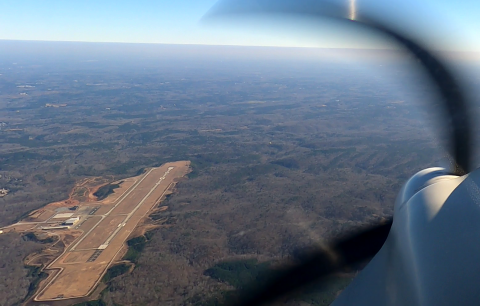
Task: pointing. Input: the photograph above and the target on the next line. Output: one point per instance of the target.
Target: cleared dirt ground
(105, 232)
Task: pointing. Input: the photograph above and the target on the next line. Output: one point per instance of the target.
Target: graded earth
(97, 230)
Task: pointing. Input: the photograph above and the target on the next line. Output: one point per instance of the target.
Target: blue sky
(177, 22)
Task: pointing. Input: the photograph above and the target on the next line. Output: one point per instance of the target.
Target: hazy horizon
(15, 49)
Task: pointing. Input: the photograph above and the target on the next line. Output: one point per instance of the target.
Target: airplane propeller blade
(317, 266)
(367, 242)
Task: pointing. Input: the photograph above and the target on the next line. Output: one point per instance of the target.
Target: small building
(62, 215)
(71, 221)
(3, 192)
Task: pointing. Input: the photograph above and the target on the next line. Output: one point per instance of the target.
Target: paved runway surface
(82, 265)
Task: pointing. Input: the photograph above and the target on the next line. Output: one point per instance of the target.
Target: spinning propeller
(364, 243)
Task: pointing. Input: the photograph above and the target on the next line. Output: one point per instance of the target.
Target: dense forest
(17, 281)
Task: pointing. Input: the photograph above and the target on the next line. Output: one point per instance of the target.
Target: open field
(105, 226)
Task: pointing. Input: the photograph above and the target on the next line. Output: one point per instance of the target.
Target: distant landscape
(286, 152)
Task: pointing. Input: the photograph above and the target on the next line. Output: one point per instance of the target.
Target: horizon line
(475, 55)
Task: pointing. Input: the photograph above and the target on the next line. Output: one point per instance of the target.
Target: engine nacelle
(432, 254)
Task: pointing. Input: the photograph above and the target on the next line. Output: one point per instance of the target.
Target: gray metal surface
(432, 254)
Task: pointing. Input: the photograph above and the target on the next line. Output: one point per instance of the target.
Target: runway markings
(93, 211)
(95, 255)
(119, 227)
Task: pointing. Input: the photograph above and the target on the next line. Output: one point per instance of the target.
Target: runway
(83, 264)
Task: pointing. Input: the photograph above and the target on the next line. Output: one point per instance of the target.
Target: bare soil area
(85, 249)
